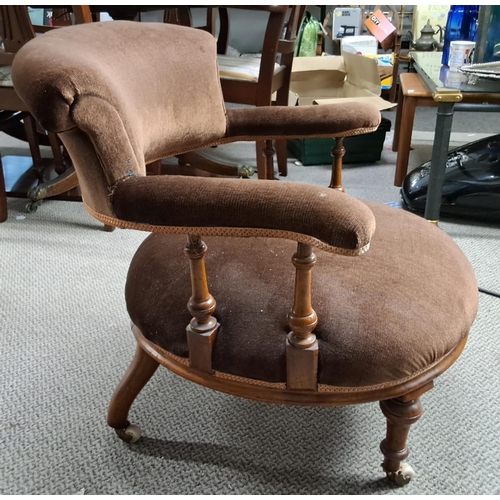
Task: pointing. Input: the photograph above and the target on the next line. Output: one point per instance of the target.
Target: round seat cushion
(383, 316)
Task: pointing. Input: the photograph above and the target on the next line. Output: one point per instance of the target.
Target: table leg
(399, 112)
(405, 130)
(442, 134)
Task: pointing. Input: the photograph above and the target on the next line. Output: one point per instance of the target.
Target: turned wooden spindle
(268, 152)
(338, 152)
(202, 329)
(301, 345)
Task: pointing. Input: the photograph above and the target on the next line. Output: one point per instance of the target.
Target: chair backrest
(122, 94)
(16, 30)
(271, 46)
(286, 45)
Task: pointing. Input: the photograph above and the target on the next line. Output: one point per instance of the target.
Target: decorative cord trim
(237, 232)
(250, 381)
(332, 388)
(323, 388)
(164, 352)
(384, 385)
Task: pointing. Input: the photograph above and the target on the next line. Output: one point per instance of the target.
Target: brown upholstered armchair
(369, 326)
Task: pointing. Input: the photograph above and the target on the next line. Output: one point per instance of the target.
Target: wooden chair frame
(399, 403)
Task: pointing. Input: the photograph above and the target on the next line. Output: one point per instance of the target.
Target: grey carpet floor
(66, 342)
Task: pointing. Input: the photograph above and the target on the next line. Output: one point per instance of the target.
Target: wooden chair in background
(251, 80)
(17, 30)
(254, 81)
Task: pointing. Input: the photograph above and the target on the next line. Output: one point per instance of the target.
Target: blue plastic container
(460, 25)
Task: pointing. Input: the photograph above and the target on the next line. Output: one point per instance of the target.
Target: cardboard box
(346, 21)
(334, 79)
(385, 64)
(362, 45)
(330, 79)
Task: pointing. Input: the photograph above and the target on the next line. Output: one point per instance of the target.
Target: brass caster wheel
(32, 206)
(130, 434)
(246, 172)
(402, 476)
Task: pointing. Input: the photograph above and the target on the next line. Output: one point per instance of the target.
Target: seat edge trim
(277, 393)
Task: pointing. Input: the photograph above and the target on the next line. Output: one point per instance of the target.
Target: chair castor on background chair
(296, 294)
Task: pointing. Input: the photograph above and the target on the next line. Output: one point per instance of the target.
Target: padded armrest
(322, 217)
(329, 120)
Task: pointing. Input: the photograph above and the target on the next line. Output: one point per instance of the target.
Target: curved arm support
(313, 215)
(329, 120)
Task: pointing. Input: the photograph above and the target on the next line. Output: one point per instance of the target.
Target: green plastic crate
(365, 148)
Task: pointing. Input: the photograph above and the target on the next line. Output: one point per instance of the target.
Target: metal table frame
(450, 100)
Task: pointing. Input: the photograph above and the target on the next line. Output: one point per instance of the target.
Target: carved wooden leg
(66, 181)
(261, 160)
(137, 376)
(203, 328)
(269, 153)
(193, 160)
(400, 416)
(404, 140)
(397, 126)
(338, 152)
(301, 345)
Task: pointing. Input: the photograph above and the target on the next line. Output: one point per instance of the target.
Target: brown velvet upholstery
(126, 107)
(113, 120)
(331, 120)
(327, 215)
(81, 78)
(382, 317)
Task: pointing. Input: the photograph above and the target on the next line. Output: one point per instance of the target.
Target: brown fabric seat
(382, 317)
